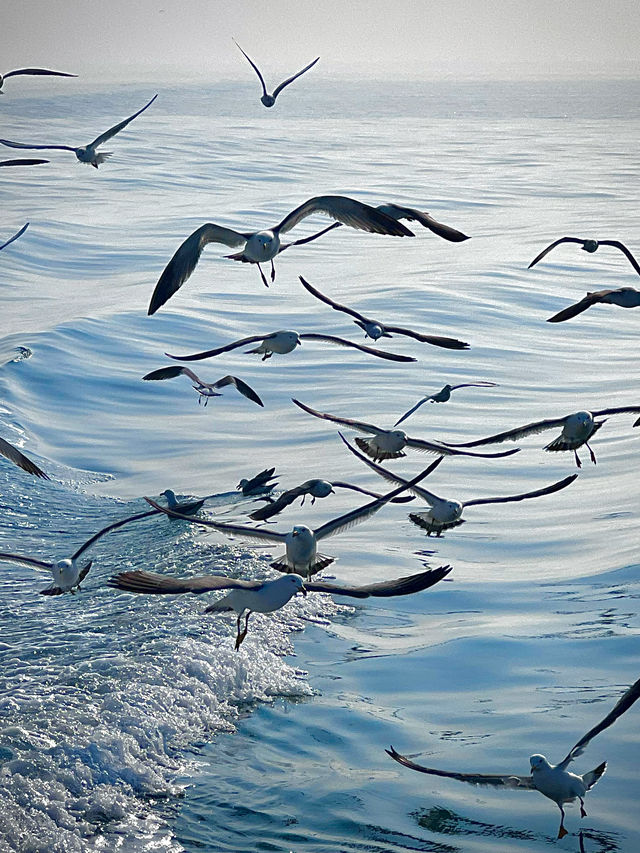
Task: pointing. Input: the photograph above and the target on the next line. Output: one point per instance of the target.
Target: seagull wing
(37, 71)
(496, 780)
(312, 237)
(350, 212)
(171, 372)
(622, 705)
(18, 458)
(448, 450)
(281, 502)
(429, 497)
(332, 339)
(434, 340)
(397, 211)
(335, 305)
(10, 144)
(474, 385)
(618, 245)
(547, 490)
(343, 522)
(401, 499)
(573, 310)
(515, 434)
(267, 536)
(26, 561)
(185, 259)
(286, 82)
(552, 246)
(219, 350)
(15, 236)
(150, 582)
(386, 589)
(412, 410)
(25, 161)
(618, 410)
(110, 527)
(358, 425)
(246, 390)
(254, 66)
(104, 137)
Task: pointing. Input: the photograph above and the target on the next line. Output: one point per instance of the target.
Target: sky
(192, 39)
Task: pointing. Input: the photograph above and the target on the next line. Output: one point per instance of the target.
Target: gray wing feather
(286, 82)
(104, 137)
(386, 589)
(358, 425)
(219, 350)
(18, 458)
(24, 161)
(10, 144)
(547, 490)
(37, 71)
(552, 246)
(170, 372)
(624, 250)
(514, 434)
(434, 340)
(15, 236)
(425, 219)
(26, 561)
(332, 339)
(254, 66)
(350, 212)
(493, 779)
(335, 305)
(150, 582)
(114, 526)
(246, 390)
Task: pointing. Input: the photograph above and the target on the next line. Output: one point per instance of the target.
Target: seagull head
(539, 762)
(170, 495)
(297, 582)
(448, 511)
(398, 434)
(64, 572)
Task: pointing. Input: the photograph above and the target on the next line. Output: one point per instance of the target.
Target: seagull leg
(593, 455)
(264, 280)
(273, 271)
(578, 462)
(562, 831)
(242, 634)
(582, 811)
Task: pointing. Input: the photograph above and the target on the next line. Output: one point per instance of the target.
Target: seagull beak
(303, 590)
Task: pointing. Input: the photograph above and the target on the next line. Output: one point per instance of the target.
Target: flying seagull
(590, 246)
(259, 484)
(34, 72)
(376, 329)
(553, 781)
(67, 573)
(317, 489)
(577, 429)
(444, 395)
(267, 99)
(23, 161)
(625, 297)
(444, 513)
(15, 236)
(390, 444)
(286, 340)
(205, 389)
(301, 554)
(266, 596)
(87, 153)
(18, 458)
(261, 246)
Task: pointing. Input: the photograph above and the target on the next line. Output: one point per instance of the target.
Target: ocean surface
(129, 723)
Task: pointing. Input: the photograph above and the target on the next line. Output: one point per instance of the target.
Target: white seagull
(625, 297)
(67, 573)
(87, 153)
(18, 458)
(590, 246)
(577, 429)
(261, 246)
(285, 341)
(444, 395)
(267, 99)
(376, 329)
(390, 444)
(33, 72)
(15, 236)
(445, 513)
(205, 389)
(301, 554)
(553, 781)
(23, 161)
(266, 596)
(316, 488)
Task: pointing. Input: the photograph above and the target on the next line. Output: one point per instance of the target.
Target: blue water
(130, 723)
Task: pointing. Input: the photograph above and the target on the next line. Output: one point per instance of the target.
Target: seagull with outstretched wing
(205, 389)
(87, 153)
(443, 396)
(624, 297)
(589, 246)
(553, 781)
(267, 99)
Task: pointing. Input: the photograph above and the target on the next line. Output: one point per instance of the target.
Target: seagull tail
(593, 776)
(100, 158)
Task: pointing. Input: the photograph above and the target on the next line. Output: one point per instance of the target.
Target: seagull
(261, 246)
(87, 153)
(444, 513)
(553, 781)
(285, 341)
(266, 596)
(317, 489)
(590, 246)
(376, 329)
(444, 395)
(67, 573)
(186, 506)
(267, 99)
(301, 554)
(259, 484)
(625, 297)
(24, 161)
(33, 72)
(15, 236)
(18, 458)
(577, 429)
(389, 444)
(205, 389)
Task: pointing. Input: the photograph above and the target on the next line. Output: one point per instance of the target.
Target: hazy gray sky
(192, 38)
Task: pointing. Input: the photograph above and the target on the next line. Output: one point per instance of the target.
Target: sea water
(130, 723)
